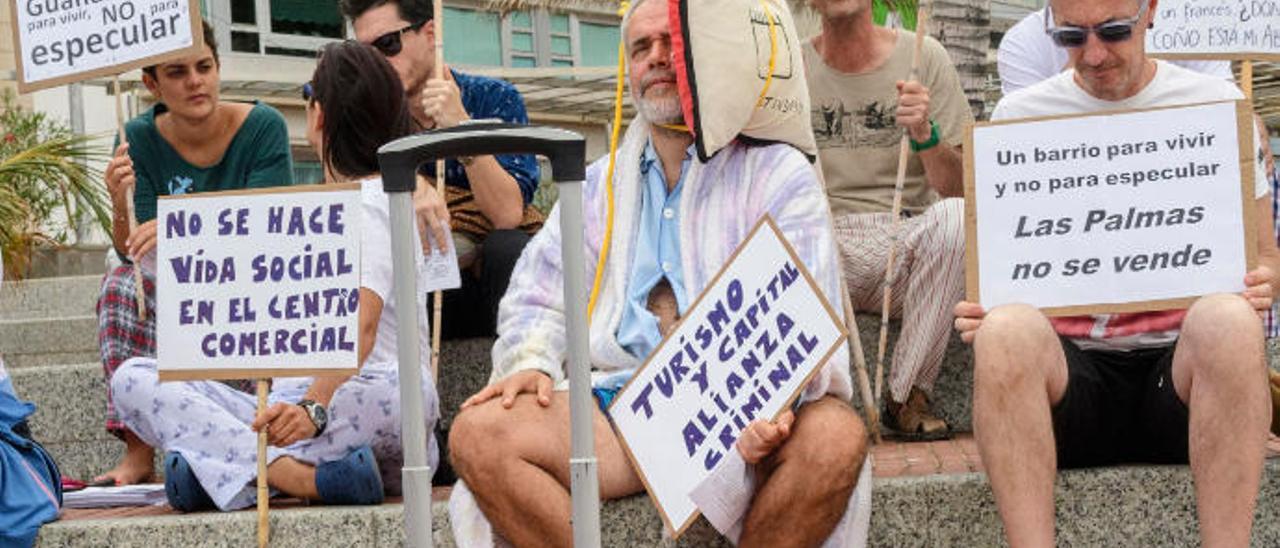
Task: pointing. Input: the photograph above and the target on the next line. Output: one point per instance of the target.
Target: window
(472, 37)
(278, 27)
(540, 38)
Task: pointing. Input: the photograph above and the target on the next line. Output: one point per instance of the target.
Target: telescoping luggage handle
(399, 161)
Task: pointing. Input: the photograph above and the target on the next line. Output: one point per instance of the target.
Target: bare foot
(293, 477)
(137, 466)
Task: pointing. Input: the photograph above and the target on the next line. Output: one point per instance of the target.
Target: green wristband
(933, 141)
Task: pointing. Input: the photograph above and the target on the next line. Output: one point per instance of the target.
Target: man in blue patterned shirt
(499, 188)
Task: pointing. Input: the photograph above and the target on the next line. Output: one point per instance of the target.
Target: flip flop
(181, 486)
(352, 480)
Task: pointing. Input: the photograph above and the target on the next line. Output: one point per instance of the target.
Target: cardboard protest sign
(64, 41)
(260, 283)
(744, 350)
(1214, 29)
(1122, 212)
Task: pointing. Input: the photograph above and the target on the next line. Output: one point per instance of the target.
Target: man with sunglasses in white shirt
(487, 201)
(1158, 387)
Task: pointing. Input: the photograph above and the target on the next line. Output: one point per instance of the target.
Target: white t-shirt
(1027, 55)
(376, 274)
(1172, 85)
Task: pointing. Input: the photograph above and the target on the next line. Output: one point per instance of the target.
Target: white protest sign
(64, 41)
(1216, 29)
(1119, 212)
(744, 350)
(261, 283)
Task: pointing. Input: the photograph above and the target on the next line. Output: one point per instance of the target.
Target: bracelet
(933, 141)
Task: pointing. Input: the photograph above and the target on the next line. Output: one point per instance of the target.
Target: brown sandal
(913, 419)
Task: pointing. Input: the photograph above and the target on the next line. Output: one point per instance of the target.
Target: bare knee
(830, 441)
(1223, 320)
(1007, 345)
(484, 437)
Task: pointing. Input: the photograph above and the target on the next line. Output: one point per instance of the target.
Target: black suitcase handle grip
(400, 159)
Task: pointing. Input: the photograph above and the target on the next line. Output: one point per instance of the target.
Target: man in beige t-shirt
(861, 104)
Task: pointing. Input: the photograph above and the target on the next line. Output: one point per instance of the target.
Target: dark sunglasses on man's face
(389, 43)
(1068, 36)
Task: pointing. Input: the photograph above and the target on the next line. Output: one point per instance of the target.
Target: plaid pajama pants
(928, 282)
(122, 335)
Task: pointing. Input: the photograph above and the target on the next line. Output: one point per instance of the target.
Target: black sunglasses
(389, 43)
(1068, 36)
(308, 92)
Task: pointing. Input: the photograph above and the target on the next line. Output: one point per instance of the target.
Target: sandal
(913, 420)
(181, 486)
(352, 480)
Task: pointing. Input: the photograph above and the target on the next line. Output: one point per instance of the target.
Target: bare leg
(1220, 372)
(516, 462)
(293, 477)
(809, 479)
(1019, 373)
(137, 465)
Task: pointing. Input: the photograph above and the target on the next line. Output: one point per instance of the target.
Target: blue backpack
(30, 485)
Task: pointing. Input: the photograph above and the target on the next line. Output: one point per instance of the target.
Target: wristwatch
(934, 138)
(319, 416)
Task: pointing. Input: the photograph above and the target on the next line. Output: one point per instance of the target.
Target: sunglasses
(1068, 36)
(308, 92)
(389, 44)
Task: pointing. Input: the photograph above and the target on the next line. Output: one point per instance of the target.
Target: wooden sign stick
(904, 153)
(1246, 78)
(264, 495)
(437, 18)
(860, 366)
(138, 291)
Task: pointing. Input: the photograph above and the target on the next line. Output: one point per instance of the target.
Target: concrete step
(49, 297)
(42, 341)
(1125, 506)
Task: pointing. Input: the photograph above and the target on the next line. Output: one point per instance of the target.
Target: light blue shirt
(657, 255)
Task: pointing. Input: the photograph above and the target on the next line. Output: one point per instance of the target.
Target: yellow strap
(608, 179)
(773, 51)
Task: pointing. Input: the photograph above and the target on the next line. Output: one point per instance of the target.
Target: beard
(658, 108)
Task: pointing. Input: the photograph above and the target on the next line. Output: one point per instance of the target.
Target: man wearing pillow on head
(1173, 386)
(863, 100)
(510, 443)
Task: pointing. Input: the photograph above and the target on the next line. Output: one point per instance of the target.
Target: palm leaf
(44, 168)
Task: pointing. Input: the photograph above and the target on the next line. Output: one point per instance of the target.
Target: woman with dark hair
(189, 142)
(355, 104)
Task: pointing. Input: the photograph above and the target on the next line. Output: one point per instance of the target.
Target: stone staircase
(48, 337)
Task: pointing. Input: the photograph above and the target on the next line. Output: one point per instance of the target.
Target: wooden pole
(139, 292)
(904, 153)
(437, 16)
(1246, 78)
(860, 365)
(264, 496)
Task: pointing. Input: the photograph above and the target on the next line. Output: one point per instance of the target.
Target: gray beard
(660, 111)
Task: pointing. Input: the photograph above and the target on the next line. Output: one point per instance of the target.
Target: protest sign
(743, 351)
(1214, 29)
(64, 41)
(260, 283)
(1119, 212)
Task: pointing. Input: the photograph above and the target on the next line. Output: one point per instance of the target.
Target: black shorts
(1120, 407)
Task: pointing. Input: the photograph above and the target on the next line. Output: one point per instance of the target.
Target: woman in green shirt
(189, 142)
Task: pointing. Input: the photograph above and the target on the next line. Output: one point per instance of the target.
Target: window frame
(220, 12)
